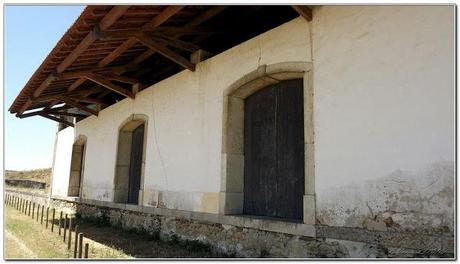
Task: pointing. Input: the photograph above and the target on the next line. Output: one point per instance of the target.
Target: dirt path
(15, 248)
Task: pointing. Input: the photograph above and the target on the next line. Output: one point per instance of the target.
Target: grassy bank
(104, 241)
(27, 238)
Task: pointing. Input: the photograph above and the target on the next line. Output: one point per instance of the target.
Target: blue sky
(31, 32)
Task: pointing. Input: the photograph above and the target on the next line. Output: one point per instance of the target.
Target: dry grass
(105, 242)
(39, 175)
(43, 243)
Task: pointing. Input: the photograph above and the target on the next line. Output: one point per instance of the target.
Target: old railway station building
(283, 131)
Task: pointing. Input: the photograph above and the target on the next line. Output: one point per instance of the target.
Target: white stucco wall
(61, 163)
(384, 114)
(183, 148)
(383, 80)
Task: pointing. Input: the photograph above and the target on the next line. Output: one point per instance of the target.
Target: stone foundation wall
(235, 240)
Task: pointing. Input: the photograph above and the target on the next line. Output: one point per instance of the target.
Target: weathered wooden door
(274, 151)
(136, 165)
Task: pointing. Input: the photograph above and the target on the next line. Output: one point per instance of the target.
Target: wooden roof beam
(108, 20)
(85, 99)
(133, 65)
(304, 11)
(67, 114)
(79, 106)
(131, 41)
(60, 120)
(147, 41)
(101, 80)
(155, 22)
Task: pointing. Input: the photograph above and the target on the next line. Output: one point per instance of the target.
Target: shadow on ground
(140, 245)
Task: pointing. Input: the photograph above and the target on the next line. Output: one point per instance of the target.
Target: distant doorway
(130, 160)
(76, 166)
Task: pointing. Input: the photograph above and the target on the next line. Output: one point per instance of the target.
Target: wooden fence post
(41, 219)
(47, 213)
(86, 250)
(80, 245)
(76, 242)
(33, 210)
(52, 220)
(38, 210)
(60, 222)
(30, 205)
(65, 227)
(69, 241)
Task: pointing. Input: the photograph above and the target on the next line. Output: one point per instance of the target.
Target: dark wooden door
(136, 164)
(274, 151)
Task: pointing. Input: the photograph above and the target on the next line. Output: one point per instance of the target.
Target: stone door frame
(232, 165)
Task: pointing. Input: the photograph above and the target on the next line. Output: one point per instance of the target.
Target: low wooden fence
(66, 225)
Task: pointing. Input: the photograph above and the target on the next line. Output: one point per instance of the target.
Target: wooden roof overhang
(111, 52)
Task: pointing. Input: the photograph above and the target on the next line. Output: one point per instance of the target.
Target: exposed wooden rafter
(79, 106)
(106, 22)
(57, 119)
(155, 22)
(133, 65)
(163, 50)
(101, 80)
(304, 11)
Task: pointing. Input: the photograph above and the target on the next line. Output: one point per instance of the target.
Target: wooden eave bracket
(304, 11)
(57, 119)
(163, 50)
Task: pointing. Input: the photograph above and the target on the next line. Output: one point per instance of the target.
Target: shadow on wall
(401, 201)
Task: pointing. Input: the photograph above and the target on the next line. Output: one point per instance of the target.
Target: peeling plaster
(403, 200)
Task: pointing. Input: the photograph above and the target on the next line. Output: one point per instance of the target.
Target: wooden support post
(25, 206)
(52, 220)
(30, 205)
(60, 223)
(38, 210)
(86, 250)
(41, 219)
(76, 242)
(80, 245)
(47, 214)
(65, 227)
(33, 210)
(69, 241)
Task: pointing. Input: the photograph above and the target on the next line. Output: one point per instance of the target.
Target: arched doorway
(76, 166)
(237, 159)
(130, 160)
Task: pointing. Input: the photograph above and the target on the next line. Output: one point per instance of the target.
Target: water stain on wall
(401, 201)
